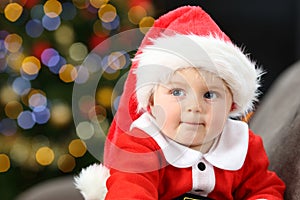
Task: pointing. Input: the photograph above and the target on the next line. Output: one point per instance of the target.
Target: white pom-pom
(92, 182)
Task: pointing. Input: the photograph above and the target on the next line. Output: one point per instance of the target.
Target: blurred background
(44, 43)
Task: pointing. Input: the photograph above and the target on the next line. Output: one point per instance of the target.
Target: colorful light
(26, 120)
(68, 73)
(78, 51)
(13, 11)
(146, 23)
(50, 57)
(66, 163)
(85, 130)
(13, 42)
(31, 65)
(13, 109)
(136, 13)
(7, 94)
(44, 156)
(98, 3)
(104, 96)
(4, 163)
(60, 114)
(64, 35)
(42, 116)
(21, 86)
(107, 13)
(37, 102)
(77, 148)
(52, 8)
(14, 61)
(34, 28)
(37, 12)
(51, 23)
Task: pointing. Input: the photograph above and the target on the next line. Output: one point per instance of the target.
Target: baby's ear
(233, 107)
(151, 101)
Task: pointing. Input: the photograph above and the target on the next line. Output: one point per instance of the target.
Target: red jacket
(142, 170)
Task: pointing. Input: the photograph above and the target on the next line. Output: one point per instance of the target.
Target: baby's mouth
(193, 123)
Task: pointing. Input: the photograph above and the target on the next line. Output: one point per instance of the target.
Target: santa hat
(184, 37)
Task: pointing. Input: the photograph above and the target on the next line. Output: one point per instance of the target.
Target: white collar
(228, 152)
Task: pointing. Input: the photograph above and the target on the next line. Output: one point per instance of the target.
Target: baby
(176, 134)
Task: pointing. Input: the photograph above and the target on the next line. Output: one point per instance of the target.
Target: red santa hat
(184, 37)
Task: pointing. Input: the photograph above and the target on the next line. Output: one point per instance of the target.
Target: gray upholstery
(55, 189)
(277, 120)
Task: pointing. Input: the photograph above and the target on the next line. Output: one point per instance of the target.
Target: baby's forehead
(185, 75)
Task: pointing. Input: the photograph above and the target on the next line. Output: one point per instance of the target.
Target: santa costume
(141, 163)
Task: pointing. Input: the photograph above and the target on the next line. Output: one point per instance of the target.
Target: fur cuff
(92, 182)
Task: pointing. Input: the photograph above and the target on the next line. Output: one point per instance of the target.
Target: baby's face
(192, 107)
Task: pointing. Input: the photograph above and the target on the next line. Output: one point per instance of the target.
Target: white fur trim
(170, 53)
(92, 182)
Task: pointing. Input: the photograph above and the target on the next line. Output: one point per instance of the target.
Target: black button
(201, 166)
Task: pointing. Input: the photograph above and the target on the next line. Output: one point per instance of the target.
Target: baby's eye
(177, 92)
(210, 95)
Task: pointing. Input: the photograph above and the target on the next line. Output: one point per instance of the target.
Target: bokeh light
(66, 163)
(68, 73)
(26, 119)
(98, 3)
(20, 151)
(60, 114)
(31, 65)
(14, 61)
(37, 12)
(136, 13)
(107, 13)
(7, 94)
(50, 57)
(13, 42)
(13, 109)
(41, 116)
(21, 86)
(13, 11)
(146, 23)
(111, 25)
(37, 101)
(51, 23)
(52, 8)
(77, 148)
(44, 156)
(64, 35)
(78, 51)
(104, 96)
(34, 28)
(4, 163)
(85, 130)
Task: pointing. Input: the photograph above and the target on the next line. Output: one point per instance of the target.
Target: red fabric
(184, 20)
(252, 181)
